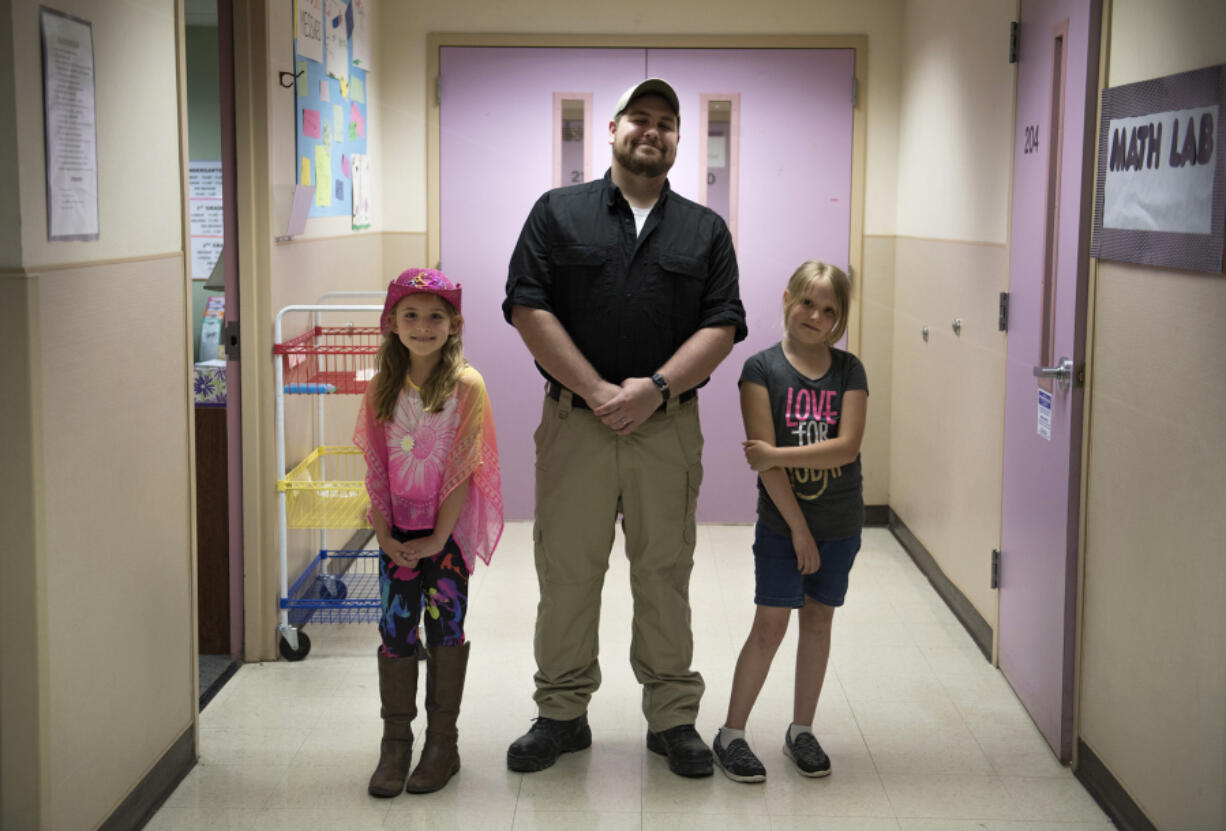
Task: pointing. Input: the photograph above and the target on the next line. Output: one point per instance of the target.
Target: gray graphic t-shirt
(806, 411)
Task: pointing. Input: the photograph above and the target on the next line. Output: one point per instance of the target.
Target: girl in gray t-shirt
(804, 404)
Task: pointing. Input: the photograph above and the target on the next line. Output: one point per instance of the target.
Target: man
(626, 295)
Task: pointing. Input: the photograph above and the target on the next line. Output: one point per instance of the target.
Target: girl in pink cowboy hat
(427, 432)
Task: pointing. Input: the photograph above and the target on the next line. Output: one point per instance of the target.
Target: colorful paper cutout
(310, 123)
(323, 175)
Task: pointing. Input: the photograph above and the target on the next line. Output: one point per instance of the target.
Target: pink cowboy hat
(417, 281)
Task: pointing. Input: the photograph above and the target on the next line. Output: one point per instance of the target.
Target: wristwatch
(661, 382)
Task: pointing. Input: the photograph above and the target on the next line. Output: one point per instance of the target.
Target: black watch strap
(662, 383)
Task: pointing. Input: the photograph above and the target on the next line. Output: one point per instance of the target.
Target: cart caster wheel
(340, 592)
(290, 654)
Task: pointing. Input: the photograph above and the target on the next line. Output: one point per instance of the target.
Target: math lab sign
(1161, 193)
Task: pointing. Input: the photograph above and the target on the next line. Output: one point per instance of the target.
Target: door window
(572, 124)
(718, 155)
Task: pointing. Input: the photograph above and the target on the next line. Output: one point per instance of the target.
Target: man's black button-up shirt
(628, 301)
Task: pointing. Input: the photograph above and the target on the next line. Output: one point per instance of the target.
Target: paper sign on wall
(309, 29)
(207, 214)
(1161, 193)
(69, 125)
(336, 39)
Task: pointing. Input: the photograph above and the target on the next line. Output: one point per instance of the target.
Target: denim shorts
(778, 581)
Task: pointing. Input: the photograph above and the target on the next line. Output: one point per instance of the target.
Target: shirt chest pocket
(580, 275)
(682, 280)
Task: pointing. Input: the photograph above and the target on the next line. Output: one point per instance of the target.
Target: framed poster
(69, 126)
(1161, 187)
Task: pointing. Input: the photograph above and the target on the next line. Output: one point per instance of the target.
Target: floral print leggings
(438, 584)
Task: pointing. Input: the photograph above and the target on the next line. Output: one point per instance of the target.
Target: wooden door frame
(435, 41)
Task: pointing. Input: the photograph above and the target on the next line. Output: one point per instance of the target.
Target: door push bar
(1062, 373)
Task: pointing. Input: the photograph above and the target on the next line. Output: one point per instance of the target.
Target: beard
(649, 168)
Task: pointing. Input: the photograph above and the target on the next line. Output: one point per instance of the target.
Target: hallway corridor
(923, 734)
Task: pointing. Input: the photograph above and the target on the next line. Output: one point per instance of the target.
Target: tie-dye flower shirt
(415, 460)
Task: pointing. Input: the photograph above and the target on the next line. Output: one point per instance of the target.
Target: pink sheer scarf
(415, 460)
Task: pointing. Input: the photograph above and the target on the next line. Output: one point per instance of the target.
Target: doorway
(790, 154)
(1048, 273)
(211, 198)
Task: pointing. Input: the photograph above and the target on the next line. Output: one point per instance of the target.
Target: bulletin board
(331, 62)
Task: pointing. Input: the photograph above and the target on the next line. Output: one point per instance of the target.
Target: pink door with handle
(1052, 186)
(497, 152)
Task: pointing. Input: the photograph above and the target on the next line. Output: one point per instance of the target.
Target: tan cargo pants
(585, 473)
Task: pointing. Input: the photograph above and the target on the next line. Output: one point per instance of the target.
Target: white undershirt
(640, 216)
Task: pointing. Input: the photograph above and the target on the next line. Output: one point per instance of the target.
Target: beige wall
(946, 436)
(118, 535)
(138, 141)
(10, 209)
(101, 415)
(1153, 671)
(877, 353)
(24, 717)
(946, 427)
(956, 123)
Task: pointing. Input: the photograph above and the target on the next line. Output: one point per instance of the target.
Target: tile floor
(923, 734)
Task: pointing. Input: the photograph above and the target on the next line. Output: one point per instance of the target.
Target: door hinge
(230, 334)
(995, 568)
(438, 90)
(1002, 319)
(1013, 41)
(855, 91)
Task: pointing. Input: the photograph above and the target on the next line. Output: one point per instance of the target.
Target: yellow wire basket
(327, 489)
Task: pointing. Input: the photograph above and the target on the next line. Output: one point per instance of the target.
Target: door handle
(1062, 373)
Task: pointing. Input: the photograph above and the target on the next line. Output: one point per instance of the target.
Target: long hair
(802, 282)
(394, 361)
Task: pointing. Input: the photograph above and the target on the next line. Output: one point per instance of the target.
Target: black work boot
(398, 696)
(687, 754)
(549, 738)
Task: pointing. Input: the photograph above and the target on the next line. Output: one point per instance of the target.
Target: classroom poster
(206, 212)
(361, 54)
(330, 108)
(336, 40)
(309, 29)
(69, 126)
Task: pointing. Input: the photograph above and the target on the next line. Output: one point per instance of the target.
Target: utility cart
(326, 491)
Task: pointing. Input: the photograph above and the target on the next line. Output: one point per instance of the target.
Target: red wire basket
(329, 359)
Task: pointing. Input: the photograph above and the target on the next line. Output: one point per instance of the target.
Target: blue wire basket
(338, 586)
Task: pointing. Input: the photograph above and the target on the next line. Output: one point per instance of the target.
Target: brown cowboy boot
(398, 694)
(440, 760)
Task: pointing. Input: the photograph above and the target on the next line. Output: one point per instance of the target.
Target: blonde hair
(394, 360)
(801, 283)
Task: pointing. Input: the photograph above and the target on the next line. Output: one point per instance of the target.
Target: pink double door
(789, 154)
